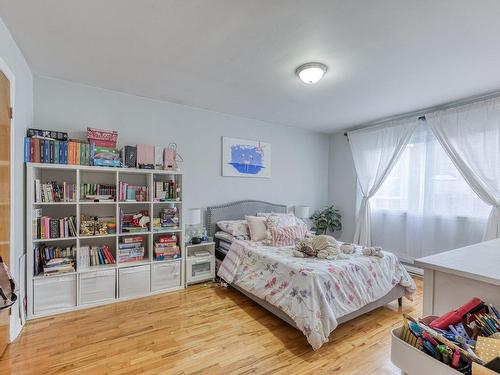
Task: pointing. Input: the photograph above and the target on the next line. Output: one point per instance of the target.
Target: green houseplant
(326, 220)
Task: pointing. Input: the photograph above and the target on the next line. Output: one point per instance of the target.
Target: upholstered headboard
(238, 210)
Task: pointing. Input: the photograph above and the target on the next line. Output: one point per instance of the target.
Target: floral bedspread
(313, 292)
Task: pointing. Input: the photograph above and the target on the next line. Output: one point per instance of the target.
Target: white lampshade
(302, 212)
(193, 216)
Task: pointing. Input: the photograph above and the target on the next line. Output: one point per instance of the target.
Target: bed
(310, 294)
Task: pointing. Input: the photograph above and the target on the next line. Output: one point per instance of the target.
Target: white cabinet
(54, 293)
(200, 262)
(96, 287)
(133, 281)
(165, 275)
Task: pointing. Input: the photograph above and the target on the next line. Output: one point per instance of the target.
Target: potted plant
(326, 220)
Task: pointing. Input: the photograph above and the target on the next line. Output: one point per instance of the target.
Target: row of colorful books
(90, 256)
(54, 192)
(54, 259)
(75, 152)
(97, 191)
(45, 227)
(167, 190)
(132, 193)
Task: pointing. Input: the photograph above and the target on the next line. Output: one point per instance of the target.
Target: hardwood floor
(204, 329)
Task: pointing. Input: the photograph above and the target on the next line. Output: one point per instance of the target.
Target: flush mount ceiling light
(311, 72)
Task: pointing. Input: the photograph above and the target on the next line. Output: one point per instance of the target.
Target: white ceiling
(385, 57)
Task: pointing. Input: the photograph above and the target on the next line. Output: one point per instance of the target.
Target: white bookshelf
(103, 284)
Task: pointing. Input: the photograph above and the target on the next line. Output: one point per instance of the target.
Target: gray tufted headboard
(238, 210)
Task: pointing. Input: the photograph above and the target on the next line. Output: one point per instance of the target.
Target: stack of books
(132, 193)
(90, 256)
(45, 227)
(54, 192)
(53, 259)
(105, 153)
(131, 249)
(98, 192)
(166, 248)
(167, 191)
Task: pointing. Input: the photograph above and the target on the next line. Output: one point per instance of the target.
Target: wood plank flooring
(204, 329)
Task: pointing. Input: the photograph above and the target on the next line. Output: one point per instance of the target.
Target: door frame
(15, 325)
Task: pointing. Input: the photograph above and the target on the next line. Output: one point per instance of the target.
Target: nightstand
(200, 262)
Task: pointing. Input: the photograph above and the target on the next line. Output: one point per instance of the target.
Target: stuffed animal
(322, 246)
(303, 248)
(372, 251)
(348, 248)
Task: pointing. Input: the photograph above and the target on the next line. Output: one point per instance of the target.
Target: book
(54, 134)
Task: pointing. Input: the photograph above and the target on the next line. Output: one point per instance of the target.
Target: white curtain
(470, 135)
(425, 206)
(375, 151)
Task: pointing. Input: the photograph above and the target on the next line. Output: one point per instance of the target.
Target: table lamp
(194, 231)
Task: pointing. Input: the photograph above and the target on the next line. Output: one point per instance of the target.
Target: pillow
(286, 236)
(258, 228)
(234, 227)
(282, 220)
(224, 236)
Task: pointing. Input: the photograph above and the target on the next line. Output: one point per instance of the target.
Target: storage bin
(200, 269)
(165, 275)
(412, 361)
(99, 286)
(133, 281)
(53, 293)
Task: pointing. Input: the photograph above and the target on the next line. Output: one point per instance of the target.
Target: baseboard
(15, 324)
(413, 270)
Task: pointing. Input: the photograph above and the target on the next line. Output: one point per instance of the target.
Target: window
(425, 206)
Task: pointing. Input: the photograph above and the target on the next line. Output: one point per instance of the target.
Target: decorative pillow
(258, 228)
(236, 228)
(224, 236)
(282, 220)
(286, 236)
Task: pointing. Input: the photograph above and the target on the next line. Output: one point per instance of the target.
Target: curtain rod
(422, 112)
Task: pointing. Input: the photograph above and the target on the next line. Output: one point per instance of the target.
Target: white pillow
(257, 227)
(236, 228)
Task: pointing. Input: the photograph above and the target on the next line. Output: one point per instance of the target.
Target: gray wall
(343, 185)
(21, 80)
(299, 157)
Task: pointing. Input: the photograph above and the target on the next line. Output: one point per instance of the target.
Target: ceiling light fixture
(311, 72)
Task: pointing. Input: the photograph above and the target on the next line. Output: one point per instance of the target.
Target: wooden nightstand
(200, 262)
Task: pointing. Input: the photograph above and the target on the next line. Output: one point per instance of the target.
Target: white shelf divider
(74, 173)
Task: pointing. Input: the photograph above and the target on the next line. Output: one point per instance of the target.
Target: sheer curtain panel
(375, 151)
(470, 135)
(425, 206)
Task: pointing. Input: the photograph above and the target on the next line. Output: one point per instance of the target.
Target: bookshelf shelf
(54, 203)
(133, 234)
(134, 202)
(121, 272)
(92, 203)
(54, 239)
(97, 236)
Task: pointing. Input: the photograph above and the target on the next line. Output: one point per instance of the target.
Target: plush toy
(372, 251)
(322, 246)
(327, 247)
(303, 248)
(348, 248)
